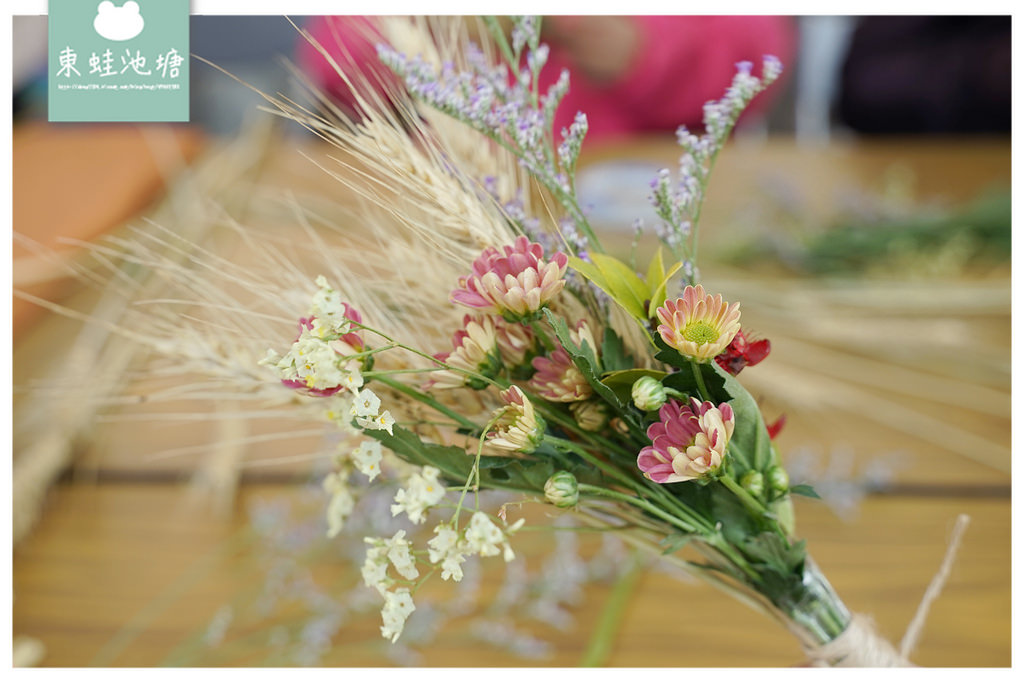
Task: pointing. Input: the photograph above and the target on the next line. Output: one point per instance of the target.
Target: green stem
(704, 393)
(542, 334)
(433, 403)
(752, 504)
(608, 624)
(605, 467)
(440, 364)
(474, 473)
(373, 374)
(748, 500)
(499, 37)
(641, 503)
(639, 486)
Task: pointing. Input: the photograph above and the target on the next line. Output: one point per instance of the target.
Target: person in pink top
(630, 75)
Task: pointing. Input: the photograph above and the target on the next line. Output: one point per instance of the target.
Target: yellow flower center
(699, 332)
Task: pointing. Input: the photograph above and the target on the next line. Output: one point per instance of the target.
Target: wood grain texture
(106, 556)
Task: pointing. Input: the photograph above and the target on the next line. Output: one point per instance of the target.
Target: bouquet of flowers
(604, 388)
(574, 378)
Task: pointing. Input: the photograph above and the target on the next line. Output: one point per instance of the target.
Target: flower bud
(562, 490)
(619, 425)
(753, 482)
(590, 415)
(778, 479)
(648, 393)
(783, 511)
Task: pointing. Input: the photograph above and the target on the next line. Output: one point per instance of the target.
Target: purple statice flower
(525, 32)
(678, 204)
(572, 142)
(502, 102)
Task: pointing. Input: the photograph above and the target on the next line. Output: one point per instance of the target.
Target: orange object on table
(78, 182)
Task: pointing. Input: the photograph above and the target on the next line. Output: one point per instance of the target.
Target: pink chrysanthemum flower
(519, 428)
(699, 325)
(475, 351)
(688, 443)
(515, 341)
(557, 377)
(514, 283)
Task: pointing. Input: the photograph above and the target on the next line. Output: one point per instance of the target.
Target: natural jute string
(861, 645)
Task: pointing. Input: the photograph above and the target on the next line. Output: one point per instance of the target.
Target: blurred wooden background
(125, 568)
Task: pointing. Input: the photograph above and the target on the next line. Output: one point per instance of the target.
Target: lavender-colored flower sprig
(509, 110)
(679, 203)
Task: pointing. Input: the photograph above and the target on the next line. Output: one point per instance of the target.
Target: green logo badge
(125, 60)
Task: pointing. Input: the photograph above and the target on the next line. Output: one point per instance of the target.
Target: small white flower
(375, 566)
(329, 311)
(310, 361)
(451, 568)
(401, 557)
(444, 541)
(384, 421)
(398, 605)
(422, 490)
(445, 548)
(367, 458)
(483, 535)
(340, 412)
(353, 380)
(341, 505)
(272, 358)
(367, 404)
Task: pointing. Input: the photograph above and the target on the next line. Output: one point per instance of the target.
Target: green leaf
(456, 464)
(660, 287)
(656, 270)
(613, 353)
(804, 490)
(674, 542)
(772, 551)
(630, 290)
(626, 378)
(726, 509)
(617, 280)
(592, 273)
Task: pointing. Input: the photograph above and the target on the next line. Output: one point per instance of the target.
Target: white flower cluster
(482, 537)
(367, 413)
(423, 490)
(323, 358)
(366, 458)
(448, 549)
(327, 360)
(315, 363)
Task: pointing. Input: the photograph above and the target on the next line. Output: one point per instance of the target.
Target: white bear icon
(118, 23)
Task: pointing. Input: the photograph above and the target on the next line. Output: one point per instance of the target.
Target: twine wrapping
(861, 645)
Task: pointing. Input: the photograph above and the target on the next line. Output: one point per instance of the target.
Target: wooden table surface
(126, 568)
